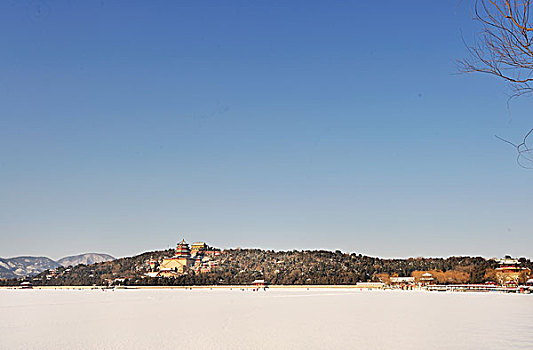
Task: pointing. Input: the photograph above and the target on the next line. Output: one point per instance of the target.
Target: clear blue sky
(271, 124)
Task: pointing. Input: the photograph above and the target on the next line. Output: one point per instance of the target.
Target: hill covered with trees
(242, 266)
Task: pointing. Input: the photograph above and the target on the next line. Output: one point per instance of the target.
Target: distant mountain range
(22, 266)
(87, 259)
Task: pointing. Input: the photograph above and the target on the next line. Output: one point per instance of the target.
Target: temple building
(260, 284)
(427, 279)
(179, 263)
(510, 271)
(197, 259)
(198, 248)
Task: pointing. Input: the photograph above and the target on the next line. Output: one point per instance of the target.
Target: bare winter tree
(504, 48)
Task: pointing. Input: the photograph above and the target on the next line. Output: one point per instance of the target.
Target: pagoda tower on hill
(182, 250)
(196, 258)
(177, 264)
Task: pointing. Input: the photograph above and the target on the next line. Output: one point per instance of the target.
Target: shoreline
(447, 289)
(322, 286)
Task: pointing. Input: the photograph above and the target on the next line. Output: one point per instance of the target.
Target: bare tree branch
(505, 45)
(504, 48)
(524, 156)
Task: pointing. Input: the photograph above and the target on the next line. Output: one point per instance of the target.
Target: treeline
(242, 266)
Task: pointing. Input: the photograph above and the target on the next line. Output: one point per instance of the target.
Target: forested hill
(242, 266)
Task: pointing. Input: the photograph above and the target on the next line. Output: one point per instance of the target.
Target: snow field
(293, 318)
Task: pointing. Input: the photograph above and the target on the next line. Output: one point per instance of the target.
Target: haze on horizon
(307, 125)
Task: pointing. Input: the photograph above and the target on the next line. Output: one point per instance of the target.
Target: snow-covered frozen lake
(272, 319)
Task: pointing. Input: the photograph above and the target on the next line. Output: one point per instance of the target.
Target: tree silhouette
(504, 49)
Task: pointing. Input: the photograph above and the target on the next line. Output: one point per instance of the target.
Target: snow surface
(273, 319)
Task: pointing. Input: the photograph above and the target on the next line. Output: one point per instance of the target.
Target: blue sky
(336, 125)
